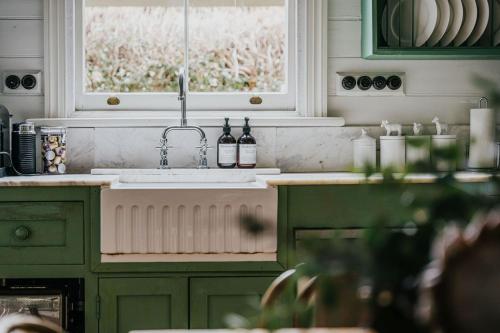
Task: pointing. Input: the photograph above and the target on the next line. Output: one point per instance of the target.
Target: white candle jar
(364, 152)
(392, 153)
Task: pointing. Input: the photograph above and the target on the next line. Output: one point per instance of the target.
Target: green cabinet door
(212, 299)
(142, 304)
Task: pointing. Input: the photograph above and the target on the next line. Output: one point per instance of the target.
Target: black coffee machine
(4, 139)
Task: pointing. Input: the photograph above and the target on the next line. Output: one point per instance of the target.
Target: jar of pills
(53, 152)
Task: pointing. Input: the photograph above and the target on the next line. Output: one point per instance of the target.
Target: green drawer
(41, 233)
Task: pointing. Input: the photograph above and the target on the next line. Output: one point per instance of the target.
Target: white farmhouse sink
(187, 215)
(186, 178)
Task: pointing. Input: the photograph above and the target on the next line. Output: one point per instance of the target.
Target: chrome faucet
(203, 161)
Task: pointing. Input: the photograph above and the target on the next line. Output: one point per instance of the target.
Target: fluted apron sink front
(176, 220)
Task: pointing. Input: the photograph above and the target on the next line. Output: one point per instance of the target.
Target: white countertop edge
(59, 180)
(262, 181)
(346, 178)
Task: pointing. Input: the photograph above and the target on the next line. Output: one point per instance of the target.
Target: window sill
(271, 119)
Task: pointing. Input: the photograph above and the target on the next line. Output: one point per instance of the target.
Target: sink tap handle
(203, 163)
(164, 147)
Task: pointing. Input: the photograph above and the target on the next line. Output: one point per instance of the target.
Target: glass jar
(54, 155)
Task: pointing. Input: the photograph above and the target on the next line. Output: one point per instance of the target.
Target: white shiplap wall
(21, 47)
(441, 88)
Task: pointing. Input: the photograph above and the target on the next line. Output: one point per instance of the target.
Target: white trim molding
(313, 58)
(58, 57)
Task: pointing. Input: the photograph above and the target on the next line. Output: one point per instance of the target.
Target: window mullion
(186, 43)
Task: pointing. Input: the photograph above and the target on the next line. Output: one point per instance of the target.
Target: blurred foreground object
(461, 287)
(18, 323)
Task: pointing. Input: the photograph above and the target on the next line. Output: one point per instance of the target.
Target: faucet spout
(182, 97)
(203, 164)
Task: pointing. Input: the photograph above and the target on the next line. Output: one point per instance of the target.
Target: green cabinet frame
(142, 303)
(211, 299)
(72, 205)
(371, 41)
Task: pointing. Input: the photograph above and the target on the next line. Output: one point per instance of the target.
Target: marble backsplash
(293, 149)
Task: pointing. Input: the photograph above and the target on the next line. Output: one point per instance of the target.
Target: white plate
(456, 19)
(470, 18)
(383, 25)
(425, 20)
(391, 17)
(483, 17)
(444, 12)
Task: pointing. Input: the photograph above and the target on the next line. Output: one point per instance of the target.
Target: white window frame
(310, 99)
(200, 101)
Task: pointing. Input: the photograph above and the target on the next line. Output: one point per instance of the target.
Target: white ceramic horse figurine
(392, 128)
(417, 128)
(440, 128)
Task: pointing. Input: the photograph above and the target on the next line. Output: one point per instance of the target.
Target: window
(129, 53)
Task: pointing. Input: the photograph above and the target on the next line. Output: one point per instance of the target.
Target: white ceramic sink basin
(186, 215)
(187, 178)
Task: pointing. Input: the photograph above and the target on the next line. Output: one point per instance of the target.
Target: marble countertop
(334, 178)
(59, 180)
(348, 178)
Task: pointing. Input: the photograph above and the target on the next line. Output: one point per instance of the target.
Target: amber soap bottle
(226, 148)
(247, 148)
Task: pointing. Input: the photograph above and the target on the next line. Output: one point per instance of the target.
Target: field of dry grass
(134, 49)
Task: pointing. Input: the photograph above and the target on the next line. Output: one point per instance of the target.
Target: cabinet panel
(143, 303)
(212, 299)
(41, 233)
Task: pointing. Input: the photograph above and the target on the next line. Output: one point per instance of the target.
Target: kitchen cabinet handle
(22, 233)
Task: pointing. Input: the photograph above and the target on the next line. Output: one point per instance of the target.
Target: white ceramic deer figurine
(417, 128)
(440, 128)
(392, 128)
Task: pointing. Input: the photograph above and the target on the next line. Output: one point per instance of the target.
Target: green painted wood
(212, 299)
(143, 303)
(43, 194)
(371, 39)
(41, 233)
(28, 204)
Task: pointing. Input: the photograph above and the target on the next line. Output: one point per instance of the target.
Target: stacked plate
(439, 23)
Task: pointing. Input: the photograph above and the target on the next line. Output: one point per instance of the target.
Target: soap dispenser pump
(226, 148)
(247, 148)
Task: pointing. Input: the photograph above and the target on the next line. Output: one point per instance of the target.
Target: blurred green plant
(385, 261)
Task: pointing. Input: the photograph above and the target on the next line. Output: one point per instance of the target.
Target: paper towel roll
(482, 139)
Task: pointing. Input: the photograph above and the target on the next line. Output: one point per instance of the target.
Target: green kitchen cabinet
(374, 45)
(212, 299)
(41, 233)
(142, 303)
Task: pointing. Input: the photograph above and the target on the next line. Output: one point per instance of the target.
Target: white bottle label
(248, 154)
(227, 153)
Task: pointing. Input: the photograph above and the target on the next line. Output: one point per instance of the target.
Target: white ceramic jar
(443, 142)
(418, 150)
(364, 151)
(392, 153)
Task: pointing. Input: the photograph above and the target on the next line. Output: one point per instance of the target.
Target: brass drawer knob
(22, 233)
